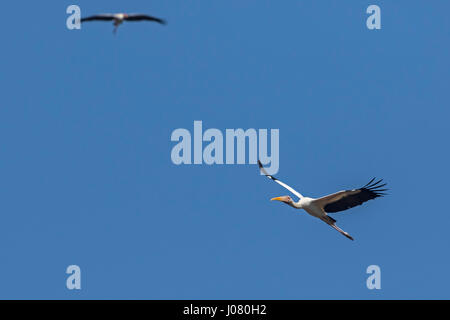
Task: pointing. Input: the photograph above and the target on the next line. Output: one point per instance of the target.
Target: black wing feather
(141, 17)
(265, 172)
(99, 17)
(370, 191)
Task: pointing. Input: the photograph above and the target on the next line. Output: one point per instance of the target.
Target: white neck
(297, 205)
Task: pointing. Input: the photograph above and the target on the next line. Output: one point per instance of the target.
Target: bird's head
(286, 199)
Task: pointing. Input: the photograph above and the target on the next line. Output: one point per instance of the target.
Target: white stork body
(309, 206)
(119, 18)
(335, 202)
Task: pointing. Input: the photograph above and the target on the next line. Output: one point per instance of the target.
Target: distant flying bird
(119, 18)
(335, 202)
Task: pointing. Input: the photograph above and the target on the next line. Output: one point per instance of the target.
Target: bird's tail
(332, 223)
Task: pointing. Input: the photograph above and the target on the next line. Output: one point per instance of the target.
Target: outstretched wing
(99, 17)
(347, 199)
(278, 181)
(144, 17)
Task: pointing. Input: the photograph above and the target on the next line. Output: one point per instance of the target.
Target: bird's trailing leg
(116, 25)
(342, 231)
(332, 223)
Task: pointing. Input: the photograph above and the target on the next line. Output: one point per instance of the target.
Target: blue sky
(87, 178)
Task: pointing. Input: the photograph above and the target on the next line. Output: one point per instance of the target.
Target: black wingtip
(369, 182)
(374, 185)
(375, 189)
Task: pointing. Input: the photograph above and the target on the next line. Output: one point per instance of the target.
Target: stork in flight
(332, 203)
(119, 18)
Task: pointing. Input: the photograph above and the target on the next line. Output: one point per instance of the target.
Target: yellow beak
(277, 198)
